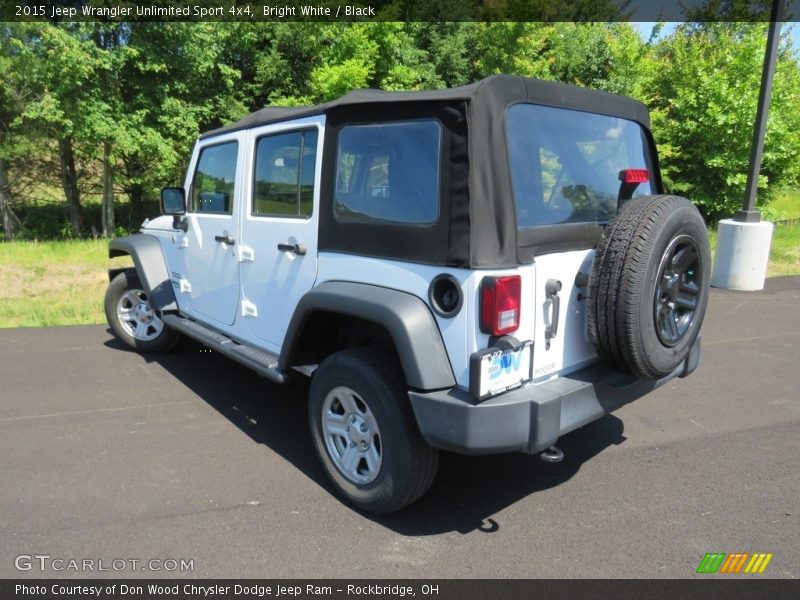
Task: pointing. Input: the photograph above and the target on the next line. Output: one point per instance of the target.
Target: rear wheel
(648, 288)
(133, 319)
(365, 434)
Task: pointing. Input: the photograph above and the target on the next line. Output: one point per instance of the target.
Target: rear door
(280, 220)
(209, 283)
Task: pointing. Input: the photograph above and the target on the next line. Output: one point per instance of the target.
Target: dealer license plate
(495, 371)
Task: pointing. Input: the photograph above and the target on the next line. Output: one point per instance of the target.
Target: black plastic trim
(406, 317)
(530, 419)
(148, 258)
(262, 362)
(436, 305)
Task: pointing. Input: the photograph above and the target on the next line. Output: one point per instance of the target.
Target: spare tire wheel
(648, 288)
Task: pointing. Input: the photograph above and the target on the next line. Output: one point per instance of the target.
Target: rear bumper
(532, 418)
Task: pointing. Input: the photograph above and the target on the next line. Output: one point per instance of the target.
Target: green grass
(786, 205)
(52, 283)
(63, 283)
(784, 255)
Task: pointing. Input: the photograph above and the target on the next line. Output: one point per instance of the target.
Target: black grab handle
(551, 289)
(293, 248)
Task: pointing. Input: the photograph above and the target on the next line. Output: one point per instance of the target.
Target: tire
(133, 319)
(648, 287)
(365, 434)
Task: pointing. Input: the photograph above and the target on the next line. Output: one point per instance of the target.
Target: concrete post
(742, 255)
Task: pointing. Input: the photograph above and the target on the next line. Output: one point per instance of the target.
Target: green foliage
(50, 221)
(146, 90)
(703, 94)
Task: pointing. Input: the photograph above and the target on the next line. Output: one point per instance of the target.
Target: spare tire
(648, 288)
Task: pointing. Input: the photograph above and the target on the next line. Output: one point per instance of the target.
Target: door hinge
(249, 309)
(181, 241)
(246, 253)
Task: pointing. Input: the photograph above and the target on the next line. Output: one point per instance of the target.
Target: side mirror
(173, 201)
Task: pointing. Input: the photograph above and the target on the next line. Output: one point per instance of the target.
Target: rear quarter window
(389, 172)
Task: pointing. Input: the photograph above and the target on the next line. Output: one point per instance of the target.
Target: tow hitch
(552, 455)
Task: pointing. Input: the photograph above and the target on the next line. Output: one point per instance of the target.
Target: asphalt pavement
(109, 455)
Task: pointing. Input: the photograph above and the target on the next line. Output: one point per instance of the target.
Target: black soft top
(484, 96)
(477, 225)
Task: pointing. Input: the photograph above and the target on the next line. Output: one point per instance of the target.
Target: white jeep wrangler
(480, 269)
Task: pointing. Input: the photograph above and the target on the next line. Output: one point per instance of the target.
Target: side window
(213, 182)
(284, 177)
(389, 172)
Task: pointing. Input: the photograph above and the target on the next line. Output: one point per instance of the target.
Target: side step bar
(263, 363)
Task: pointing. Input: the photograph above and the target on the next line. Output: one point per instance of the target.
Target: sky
(645, 28)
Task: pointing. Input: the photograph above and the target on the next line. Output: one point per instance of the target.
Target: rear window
(389, 172)
(565, 164)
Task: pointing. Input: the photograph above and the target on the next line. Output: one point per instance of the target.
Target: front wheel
(133, 319)
(365, 434)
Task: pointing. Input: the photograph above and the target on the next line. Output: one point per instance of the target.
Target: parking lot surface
(107, 454)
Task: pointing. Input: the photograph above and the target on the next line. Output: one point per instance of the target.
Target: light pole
(749, 214)
(743, 242)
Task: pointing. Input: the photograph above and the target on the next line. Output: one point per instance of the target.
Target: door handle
(299, 249)
(225, 239)
(551, 289)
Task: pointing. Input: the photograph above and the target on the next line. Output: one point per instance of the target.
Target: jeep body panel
(569, 350)
(249, 288)
(273, 279)
(205, 269)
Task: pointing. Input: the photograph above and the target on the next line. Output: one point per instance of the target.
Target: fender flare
(151, 267)
(406, 317)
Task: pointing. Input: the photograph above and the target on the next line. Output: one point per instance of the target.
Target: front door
(210, 285)
(279, 225)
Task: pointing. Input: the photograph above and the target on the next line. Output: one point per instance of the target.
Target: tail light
(634, 176)
(630, 178)
(500, 304)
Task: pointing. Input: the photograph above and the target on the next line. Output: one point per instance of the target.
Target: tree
(104, 113)
(606, 56)
(173, 84)
(63, 66)
(118, 106)
(703, 93)
(9, 109)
